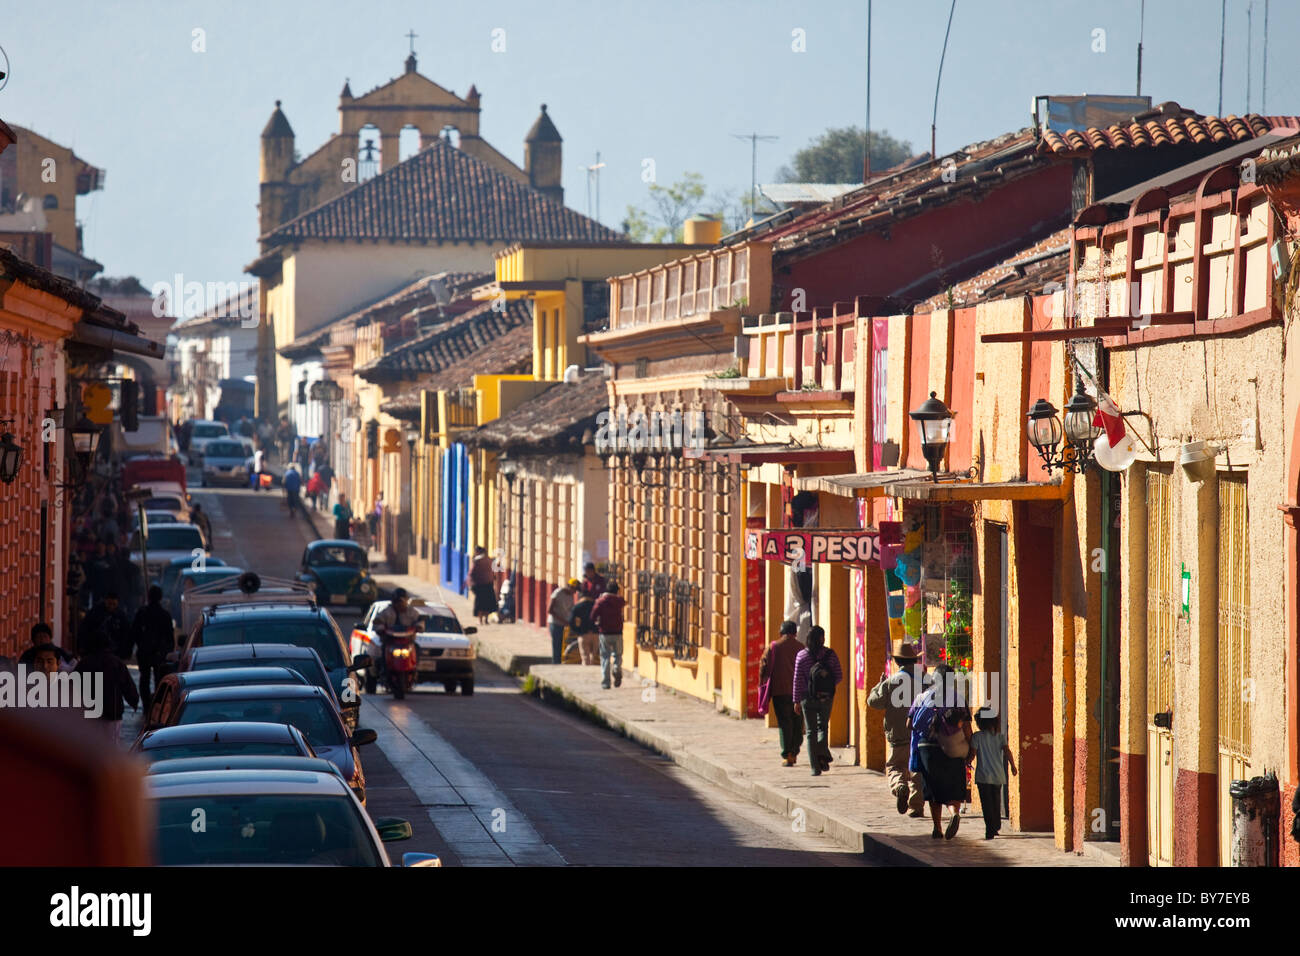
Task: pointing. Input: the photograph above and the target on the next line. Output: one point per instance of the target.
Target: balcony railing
(812, 353)
(737, 277)
(462, 408)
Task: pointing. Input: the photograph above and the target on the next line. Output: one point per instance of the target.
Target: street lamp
(85, 442)
(934, 422)
(1044, 430)
(1080, 432)
(11, 456)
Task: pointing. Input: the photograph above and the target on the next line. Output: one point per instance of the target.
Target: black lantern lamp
(85, 442)
(934, 422)
(11, 456)
(1044, 430)
(1080, 432)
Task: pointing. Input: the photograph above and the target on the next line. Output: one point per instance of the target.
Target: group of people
(591, 608)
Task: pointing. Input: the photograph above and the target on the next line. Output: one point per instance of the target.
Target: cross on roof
(411, 36)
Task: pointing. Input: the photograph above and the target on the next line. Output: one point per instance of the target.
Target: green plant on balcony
(732, 372)
(741, 303)
(958, 644)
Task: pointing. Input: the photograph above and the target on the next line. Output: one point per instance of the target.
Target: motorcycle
(400, 662)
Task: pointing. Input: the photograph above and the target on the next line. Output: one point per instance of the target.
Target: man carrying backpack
(816, 675)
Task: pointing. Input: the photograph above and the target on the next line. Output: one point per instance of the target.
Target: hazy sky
(178, 131)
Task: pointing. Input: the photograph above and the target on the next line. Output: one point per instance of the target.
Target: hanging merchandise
(1115, 458)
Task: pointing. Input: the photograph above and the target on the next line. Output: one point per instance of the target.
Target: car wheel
(467, 686)
(449, 686)
(371, 681)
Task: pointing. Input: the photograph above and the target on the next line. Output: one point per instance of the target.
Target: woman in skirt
(482, 584)
(940, 724)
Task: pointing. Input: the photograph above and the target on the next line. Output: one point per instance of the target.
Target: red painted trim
(1254, 319)
(1133, 809)
(1196, 820)
(961, 354)
(918, 362)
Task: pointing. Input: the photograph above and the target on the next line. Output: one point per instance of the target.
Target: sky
(672, 80)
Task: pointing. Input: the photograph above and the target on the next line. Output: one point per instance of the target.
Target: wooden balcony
(727, 278)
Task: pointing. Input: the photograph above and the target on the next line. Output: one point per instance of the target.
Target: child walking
(989, 747)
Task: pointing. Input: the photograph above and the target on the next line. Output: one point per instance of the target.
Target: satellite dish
(249, 582)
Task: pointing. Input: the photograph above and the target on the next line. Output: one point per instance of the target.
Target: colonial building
(218, 346)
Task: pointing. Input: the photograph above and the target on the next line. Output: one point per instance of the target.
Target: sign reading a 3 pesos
(850, 546)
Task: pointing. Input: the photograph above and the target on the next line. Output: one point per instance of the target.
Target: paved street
(502, 779)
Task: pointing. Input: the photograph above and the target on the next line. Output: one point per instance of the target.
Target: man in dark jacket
(153, 634)
(43, 636)
(109, 618)
(117, 687)
(816, 675)
(583, 628)
(608, 618)
(777, 666)
(127, 579)
(292, 483)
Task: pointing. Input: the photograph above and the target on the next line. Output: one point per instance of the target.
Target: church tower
(542, 158)
(276, 202)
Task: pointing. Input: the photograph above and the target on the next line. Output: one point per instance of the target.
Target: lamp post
(1080, 432)
(934, 422)
(11, 456)
(1045, 431)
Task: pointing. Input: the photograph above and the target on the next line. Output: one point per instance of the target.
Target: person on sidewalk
(506, 610)
(561, 611)
(989, 745)
(894, 695)
(940, 726)
(481, 580)
(315, 489)
(255, 473)
(106, 617)
(292, 486)
(154, 635)
(375, 520)
(593, 583)
(343, 518)
(816, 675)
(118, 689)
(583, 629)
(608, 616)
(199, 518)
(776, 669)
(42, 636)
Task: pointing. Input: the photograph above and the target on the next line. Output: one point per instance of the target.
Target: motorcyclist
(399, 616)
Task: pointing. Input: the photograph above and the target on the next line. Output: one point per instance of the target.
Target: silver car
(225, 460)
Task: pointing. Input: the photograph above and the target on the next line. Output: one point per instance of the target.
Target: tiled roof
(511, 354)
(232, 311)
(1029, 272)
(556, 421)
(453, 344)
(442, 195)
(1167, 125)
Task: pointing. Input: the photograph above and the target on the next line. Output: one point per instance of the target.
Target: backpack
(821, 679)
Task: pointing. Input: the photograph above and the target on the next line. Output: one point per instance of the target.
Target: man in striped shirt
(816, 675)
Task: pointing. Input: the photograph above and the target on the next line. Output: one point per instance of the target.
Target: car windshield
(305, 666)
(255, 829)
(162, 504)
(311, 715)
(314, 634)
(170, 539)
(225, 449)
(211, 431)
(437, 624)
(220, 748)
(337, 557)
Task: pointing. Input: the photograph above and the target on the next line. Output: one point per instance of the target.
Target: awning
(870, 484)
(116, 339)
(814, 546)
(749, 454)
(923, 489)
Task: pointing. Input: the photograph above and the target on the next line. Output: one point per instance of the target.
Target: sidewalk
(850, 804)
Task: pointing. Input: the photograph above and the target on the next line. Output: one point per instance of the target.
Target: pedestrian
(776, 673)
(506, 609)
(816, 675)
(583, 629)
(315, 488)
(42, 637)
(992, 757)
(327, 479)
(118, 689)
(481, 583)
(292, 485)
(199, 518)
(127, 578)
(593, 583)
(99, 573)
(255, 472)
(342, 518)
(107, 617)
(374, 521)
(894, 695)
(154, 636)
(45, 660)
(608, 617)
(561, 611)
(939, 722)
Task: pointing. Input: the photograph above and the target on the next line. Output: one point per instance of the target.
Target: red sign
(755, 627)
(851, 546)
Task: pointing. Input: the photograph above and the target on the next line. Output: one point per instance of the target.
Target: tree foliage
(836, 157)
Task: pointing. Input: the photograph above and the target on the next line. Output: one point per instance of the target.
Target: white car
(202, 433)
(444, 652)
(165, 542)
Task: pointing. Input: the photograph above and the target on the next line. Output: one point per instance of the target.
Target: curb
(876, 847)
(516, 665)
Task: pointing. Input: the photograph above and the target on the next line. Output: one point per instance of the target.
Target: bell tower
(542, 157)
(276, 199)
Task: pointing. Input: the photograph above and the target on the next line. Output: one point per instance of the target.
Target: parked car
(165, 542)
(444, 652)
(201, 433)
(174, 502)
(220, 740)
(154, 468)
(187, 578)
(155, 516)
(243, 762)
(308, 708)
(225, 461)
(173, 570)
(338, 571)
(173, 688)
(303, 660)
(303, 625)
(269, 817)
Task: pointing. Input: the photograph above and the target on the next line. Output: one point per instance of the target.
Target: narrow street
(501, 779)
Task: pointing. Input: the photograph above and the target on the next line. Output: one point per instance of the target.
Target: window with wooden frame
(1234, 617)
(1163, 597)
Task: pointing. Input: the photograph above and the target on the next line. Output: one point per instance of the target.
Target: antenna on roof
(935, 115)
(866, 147)
(1142, 29)
(593, 172)
(1223, 33)
(1263, 86)
(753, 167)
(1249, 8)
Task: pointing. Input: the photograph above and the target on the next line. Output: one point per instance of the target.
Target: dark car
(339, 572)
(268, 817)
(309, 709)
(303, 625)
(304, 660)
(172, 688)
(244, 762)
(218, 740)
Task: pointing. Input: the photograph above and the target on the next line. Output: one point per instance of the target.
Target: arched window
(451, 136)
(51, 201)
(408, 143)
(369, 152)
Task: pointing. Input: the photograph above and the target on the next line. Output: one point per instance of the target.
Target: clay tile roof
(455, 343)
(555, 421)
(1029, 271)
(442, 195)
(1168, 126)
